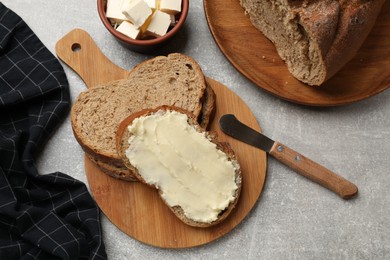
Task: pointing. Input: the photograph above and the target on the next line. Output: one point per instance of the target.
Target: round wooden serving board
(137, 209)
(256, 58)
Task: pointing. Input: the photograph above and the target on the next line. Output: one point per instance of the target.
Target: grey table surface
(293, 218)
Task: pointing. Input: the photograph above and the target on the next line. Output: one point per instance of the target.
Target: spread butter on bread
(198, 177)
(96, 113)
(315, 38)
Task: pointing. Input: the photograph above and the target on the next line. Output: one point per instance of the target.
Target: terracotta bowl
(143, 45)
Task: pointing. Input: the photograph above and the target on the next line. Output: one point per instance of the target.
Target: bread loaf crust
(122, 144)
(328, 32)
(355, 23)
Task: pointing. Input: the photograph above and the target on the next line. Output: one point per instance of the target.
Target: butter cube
(146, 24)
(137, 11)
(159, 24)
(170, 6)
(129, 30)
(114, 11)
(151, 3)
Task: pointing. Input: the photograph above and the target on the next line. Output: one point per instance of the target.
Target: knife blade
(231, 126)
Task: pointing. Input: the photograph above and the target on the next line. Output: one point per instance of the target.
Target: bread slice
(208, 107)
(116, 171)
(119, 171)
(315, 38)
(122, 142)
(173, 80)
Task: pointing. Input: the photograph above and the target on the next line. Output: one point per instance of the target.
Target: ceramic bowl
(143, 45)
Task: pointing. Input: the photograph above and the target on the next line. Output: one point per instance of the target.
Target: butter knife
(231, 126)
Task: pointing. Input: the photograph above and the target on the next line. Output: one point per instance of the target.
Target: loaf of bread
(96, 113)
(315, 38)
(198, 177)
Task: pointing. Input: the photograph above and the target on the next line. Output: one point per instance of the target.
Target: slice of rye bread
(173, 80)
(117, 171)
(121, 172)
(122, 143)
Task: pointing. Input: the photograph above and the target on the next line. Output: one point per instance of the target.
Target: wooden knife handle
(313, 171)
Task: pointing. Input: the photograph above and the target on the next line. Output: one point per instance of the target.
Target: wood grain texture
(78, 50)
(137, 209)
(256, 58)
(313, 171)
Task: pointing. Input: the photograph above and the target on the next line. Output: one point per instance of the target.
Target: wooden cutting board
(256, 58)
(137, 209)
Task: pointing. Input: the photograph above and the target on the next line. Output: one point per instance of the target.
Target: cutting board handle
(78, 50)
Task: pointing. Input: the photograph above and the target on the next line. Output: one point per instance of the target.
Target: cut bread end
(315, 38)
(281, 26)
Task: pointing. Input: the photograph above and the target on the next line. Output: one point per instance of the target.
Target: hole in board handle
(76, 47)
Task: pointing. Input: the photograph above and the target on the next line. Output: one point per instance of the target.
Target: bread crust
(118, 172)
(122, 144)
(356, 22)
(208, 107)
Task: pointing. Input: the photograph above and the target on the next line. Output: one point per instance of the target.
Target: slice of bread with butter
(96, 113)
(198, 177)
(118, 170)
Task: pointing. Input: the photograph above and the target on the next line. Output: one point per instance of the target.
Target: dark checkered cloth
(48, 216)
